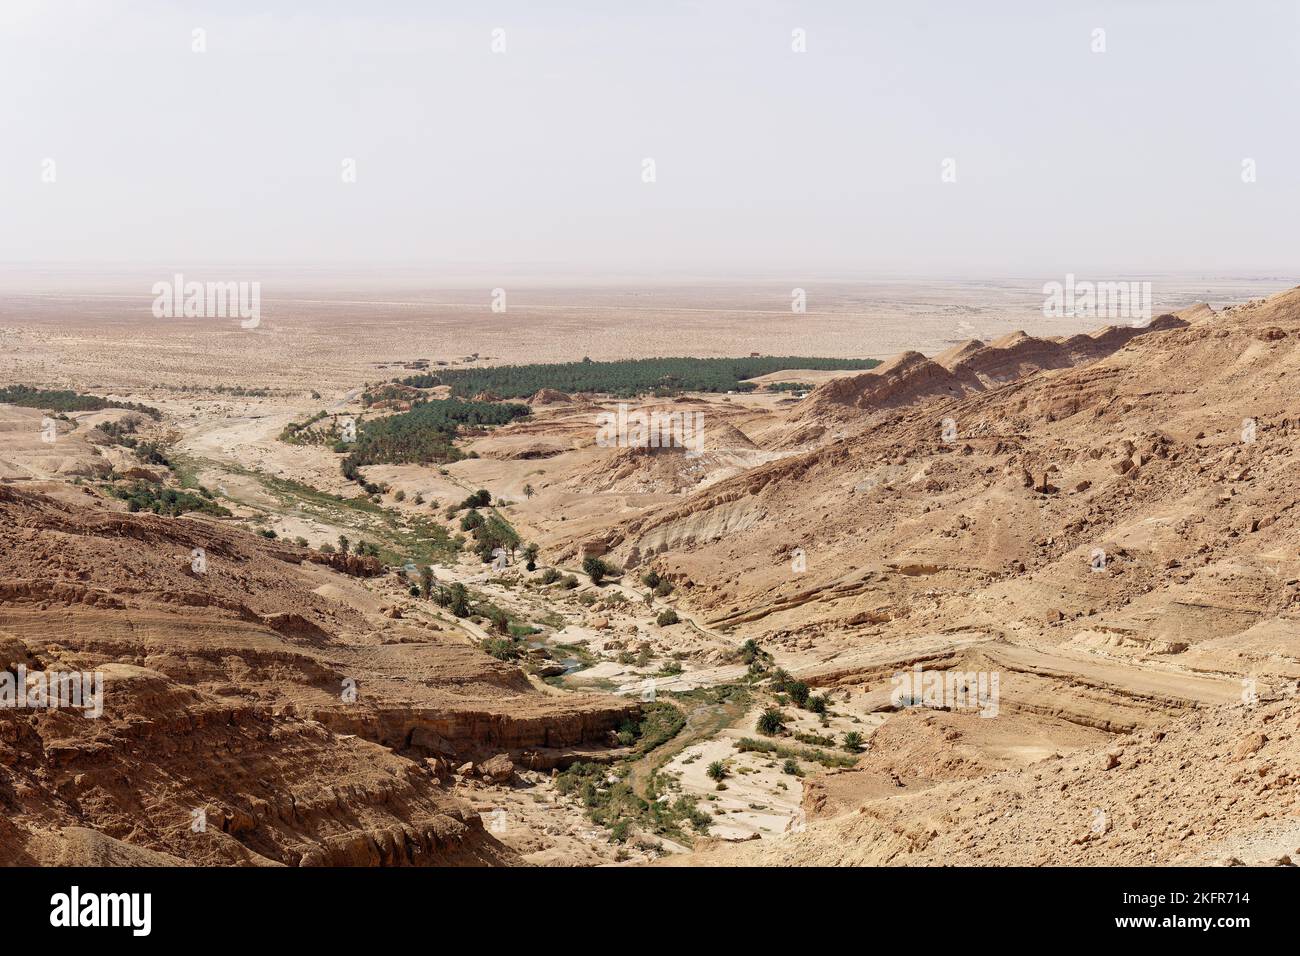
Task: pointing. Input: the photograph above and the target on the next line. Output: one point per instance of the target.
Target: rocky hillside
(254, 686)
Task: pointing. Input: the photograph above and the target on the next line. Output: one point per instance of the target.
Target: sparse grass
(751, 745)
(399, 536)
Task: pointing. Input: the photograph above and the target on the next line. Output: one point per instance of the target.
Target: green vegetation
(666, 618)
(615, 805)
(659, 722)
(750, 745)
(789, 387)
(66, 401)
(425, 434)
(717, 771)
(817, 740)
(503, 649)
(398, 537)
(143, 496)
(771, 721)
(308, 432)
(660, 376)
(597, 570)
(853, 742)
(798, 692)
(609, 794)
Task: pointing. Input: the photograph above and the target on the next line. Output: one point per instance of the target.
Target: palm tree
(717, 771)
(529, 491)
(530, 555)
(344, 544)
(771, 721)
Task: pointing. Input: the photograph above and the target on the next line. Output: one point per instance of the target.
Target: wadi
(448, 599)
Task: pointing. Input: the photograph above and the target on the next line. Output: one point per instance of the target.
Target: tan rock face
(246, 718)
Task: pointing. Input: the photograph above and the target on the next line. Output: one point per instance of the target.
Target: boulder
(497, 769)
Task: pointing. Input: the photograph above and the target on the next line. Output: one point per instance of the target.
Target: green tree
(798, 692)
(458, 600)
(853, 742)
(426, 581)
(344, 544)
(530, 555)
(595, 569)
(717, 771)
(771, 721)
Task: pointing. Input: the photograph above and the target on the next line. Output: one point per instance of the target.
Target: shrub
(666, 618)
(717, 771)
(502, 648)
(853, 742)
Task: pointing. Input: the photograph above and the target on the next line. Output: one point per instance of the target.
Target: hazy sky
(766, 159)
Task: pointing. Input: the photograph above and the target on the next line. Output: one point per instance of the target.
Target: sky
(120, 143)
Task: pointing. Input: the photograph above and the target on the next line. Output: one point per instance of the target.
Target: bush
(596, 569)
(791, 766)
(666, 618)
(550, 576)
(853, 742)
(650, 579)
(717, 771)
(502, 648)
